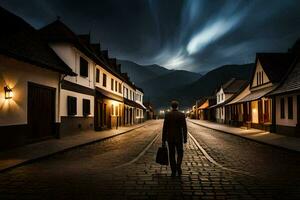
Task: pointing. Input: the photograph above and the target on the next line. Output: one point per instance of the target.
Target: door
(41, 112)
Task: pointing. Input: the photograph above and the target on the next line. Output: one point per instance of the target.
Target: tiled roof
(275, 65)
(257, 94)
(234, 86)
(292, 82)
(20, 40)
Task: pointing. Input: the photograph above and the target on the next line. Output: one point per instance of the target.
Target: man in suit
(175, 133)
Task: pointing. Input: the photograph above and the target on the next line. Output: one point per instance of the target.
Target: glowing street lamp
(8, 92)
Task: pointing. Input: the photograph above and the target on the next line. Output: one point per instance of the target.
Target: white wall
(139, 93)
(16, 75)
(129, 89)
(265, 77)
(219, 96)
(64, 103)
(108, 81)
(71, 56)
(286, 121)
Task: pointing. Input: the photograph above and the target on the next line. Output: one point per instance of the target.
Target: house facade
(287, 103)
(269, 70)
(30, 74)
(226, 92)
(109, 101)
(77, 93)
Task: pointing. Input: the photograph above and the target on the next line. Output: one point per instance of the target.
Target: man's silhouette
(175, 133)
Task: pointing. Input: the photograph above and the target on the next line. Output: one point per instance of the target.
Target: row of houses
(57, 83)
(269, 100)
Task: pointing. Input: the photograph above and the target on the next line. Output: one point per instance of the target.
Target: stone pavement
(143, 179)
(286, 142)
(21, 155)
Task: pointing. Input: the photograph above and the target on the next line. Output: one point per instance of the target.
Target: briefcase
(162, 156)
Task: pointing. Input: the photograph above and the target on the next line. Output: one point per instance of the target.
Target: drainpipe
(61, 78)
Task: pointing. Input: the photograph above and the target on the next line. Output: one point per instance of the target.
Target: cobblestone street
(242, 170)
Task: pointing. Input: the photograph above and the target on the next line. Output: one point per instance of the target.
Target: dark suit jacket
(174, 129)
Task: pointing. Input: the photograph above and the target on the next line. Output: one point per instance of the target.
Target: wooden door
(41, 112)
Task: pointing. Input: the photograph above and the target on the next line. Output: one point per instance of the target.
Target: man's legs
(179, 149)
(172, 157)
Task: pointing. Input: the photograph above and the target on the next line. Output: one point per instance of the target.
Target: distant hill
(208, 83)
(162, 85)
(141, 73)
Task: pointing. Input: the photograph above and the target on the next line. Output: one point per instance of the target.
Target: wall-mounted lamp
(8, 92)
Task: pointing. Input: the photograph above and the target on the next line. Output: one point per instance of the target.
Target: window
(112, 109)
(282, 108)
(130, 94)
(257, 83)
(86, 107)
(104, 80)
(72, 105)
(127, 93)
(112, 84)
(120, 88)
(97, 75)
(262, 78)
(116, 86)
(290, 107)
(84, 67)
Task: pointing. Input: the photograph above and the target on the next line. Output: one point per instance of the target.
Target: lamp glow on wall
(8, 92)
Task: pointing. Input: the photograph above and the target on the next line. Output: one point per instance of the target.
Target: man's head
(174, 105)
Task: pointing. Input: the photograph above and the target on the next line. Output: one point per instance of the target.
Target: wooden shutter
(72, 105)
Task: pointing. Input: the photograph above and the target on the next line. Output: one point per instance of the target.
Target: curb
(240, 136)
(66, 149)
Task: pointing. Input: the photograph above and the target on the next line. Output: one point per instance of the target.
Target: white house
(77, 93)
(226, 92)
(30, 74)
(287, 103)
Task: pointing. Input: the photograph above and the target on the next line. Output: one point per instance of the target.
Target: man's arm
(184, 129)
(164, 134)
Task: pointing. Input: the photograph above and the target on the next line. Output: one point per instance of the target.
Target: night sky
(195, 35)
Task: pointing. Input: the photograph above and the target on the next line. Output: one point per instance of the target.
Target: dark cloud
(195, 35)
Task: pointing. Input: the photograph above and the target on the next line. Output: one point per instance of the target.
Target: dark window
(86, 107)
(120, 88)
(290, 107)
(84, 67)
(257, 78)
(97, 75)
(116, 86)
(112, 84)
(104, 80)
(262, 78)
(282, 112)
(72, 105)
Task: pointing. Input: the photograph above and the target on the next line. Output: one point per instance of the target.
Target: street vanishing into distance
(216, 165)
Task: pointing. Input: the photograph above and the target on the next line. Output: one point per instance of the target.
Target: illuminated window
(112, 109)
